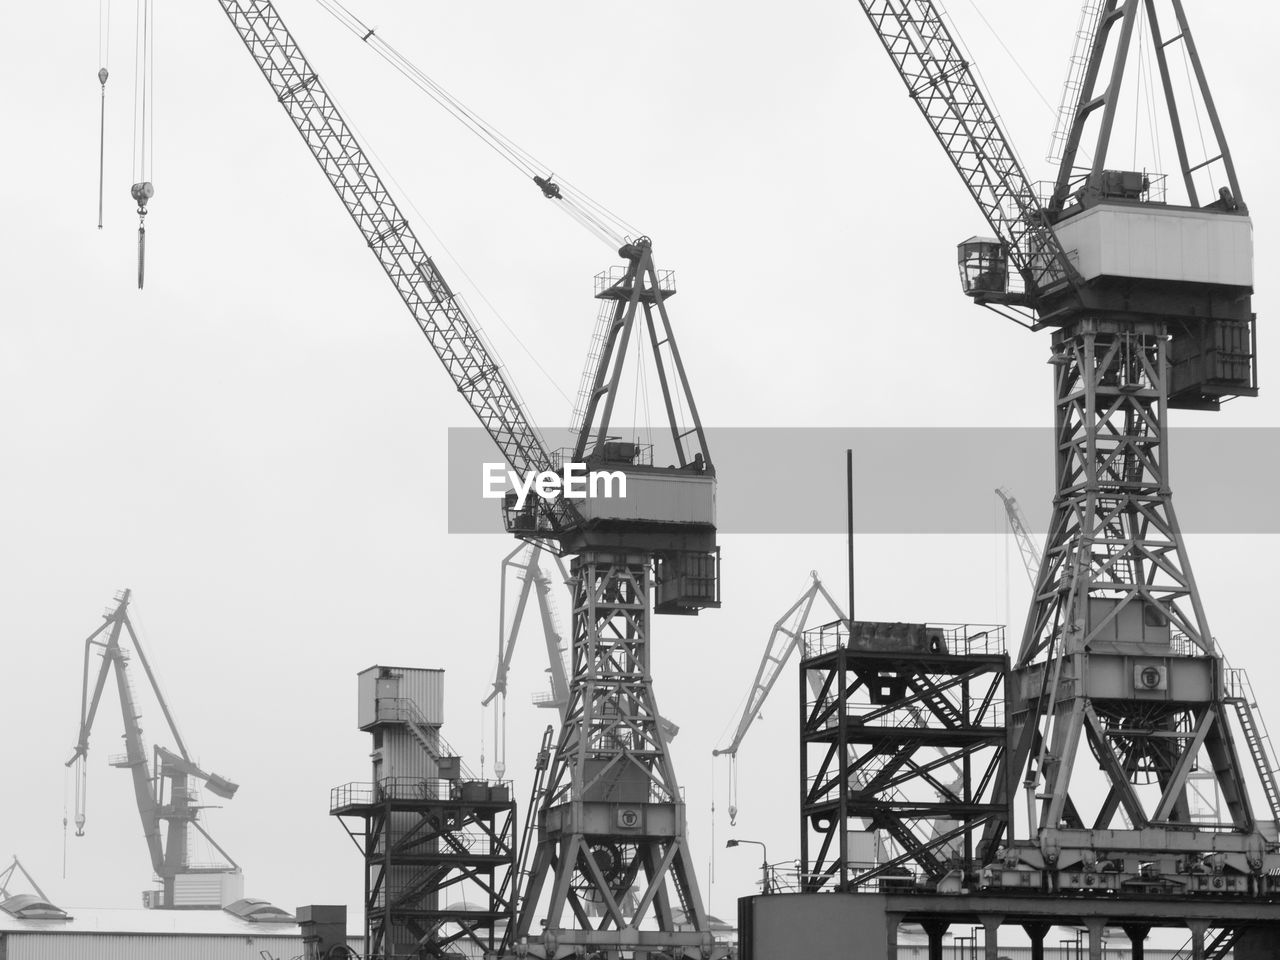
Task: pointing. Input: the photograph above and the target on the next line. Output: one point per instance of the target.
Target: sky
(255, 442)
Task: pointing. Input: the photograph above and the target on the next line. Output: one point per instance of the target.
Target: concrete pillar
(1197, 927)
(1036, 932)
(1137, 935)
(991, 935)
(891, 923)
(934, 929)
(1096, 926)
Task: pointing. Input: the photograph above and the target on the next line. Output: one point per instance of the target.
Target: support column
(1137, 935)
(1197, 928)
(891, 922)
(1036, 932)
(991, 935)
(934, 929)
(1096, 927)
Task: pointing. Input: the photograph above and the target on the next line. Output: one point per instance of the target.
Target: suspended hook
(102, 138)
(142, 192)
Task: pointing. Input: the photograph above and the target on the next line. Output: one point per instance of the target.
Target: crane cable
(143, 122)
(591, 215)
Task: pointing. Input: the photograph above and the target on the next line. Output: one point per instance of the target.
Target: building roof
(182, 922)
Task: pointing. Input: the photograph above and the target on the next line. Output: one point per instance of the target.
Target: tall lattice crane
(164, 792)
(612, 808)
(1148, 301)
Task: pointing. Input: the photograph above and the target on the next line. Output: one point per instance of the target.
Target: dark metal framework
(439, 863)
(903, 737)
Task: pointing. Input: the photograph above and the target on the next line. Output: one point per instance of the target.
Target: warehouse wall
(55, 945)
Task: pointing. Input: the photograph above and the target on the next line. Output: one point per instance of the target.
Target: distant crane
(8, 874)
(164, 796)
(1018, 524)
(783, 641)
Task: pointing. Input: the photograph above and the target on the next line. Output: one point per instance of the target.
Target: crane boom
(113, 656)
(776, 654)
(944, 87)
(453, 335)
(1018, 524)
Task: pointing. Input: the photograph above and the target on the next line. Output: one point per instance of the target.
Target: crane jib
(453, 336)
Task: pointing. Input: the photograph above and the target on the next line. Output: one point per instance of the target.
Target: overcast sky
(255, 442)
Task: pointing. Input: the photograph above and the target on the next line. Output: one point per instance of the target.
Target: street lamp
(764, 863)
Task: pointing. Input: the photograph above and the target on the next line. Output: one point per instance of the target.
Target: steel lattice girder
(874, 741)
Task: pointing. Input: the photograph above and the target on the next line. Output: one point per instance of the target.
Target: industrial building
(33, 929)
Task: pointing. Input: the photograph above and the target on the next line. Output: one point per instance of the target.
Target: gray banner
(919, 479)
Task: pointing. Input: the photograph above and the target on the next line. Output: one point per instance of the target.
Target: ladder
(1240, 695)
(529, 835)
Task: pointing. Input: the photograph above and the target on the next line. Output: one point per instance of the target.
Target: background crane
(782, 643)
(165, 796)
(1018, 524)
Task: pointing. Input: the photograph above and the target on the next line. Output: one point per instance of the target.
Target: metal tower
(612, 812)
(1149, 303)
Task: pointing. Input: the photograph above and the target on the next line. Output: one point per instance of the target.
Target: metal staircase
(1239, 693)
(1215, 948)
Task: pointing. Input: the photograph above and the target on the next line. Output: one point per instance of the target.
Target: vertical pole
(848, 469)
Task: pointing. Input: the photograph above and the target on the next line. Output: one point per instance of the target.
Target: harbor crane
(164, 793)
(1018, 524)
(782, 644)
(612, 812)
(1147, 299)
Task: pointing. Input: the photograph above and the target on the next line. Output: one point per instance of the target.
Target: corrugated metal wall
(404, 756)
(426, 689)
(50, 945)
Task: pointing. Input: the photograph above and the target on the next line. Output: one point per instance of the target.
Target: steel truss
(903, 738)
(1117, 651)
(612, 814)
(439, 863)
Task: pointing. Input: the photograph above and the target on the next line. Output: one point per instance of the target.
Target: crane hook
(141, 193)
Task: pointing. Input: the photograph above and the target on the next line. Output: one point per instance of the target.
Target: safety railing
(957, 639)
(365, 793)
(608, 279)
